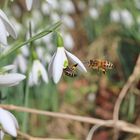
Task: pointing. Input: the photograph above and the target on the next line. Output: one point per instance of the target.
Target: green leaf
(18, 45)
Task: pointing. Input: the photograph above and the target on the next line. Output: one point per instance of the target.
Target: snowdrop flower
(93, 12)
(68, 21)
(55, 16)
(115, 15)
(21, 63)
(37, 70)
(25, 51)
(10, 79)
(123, 16)
(68, 8)
(8, 122)
(60, 61)
(7, 68)
(29, 4)
(126, 18)
(53, 3)
(6, 28)
(46, 9)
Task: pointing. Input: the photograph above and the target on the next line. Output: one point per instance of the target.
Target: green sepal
(59, 40)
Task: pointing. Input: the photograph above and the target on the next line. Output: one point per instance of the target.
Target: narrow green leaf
(18, 45)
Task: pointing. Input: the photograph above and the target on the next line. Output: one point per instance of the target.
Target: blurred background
(91, 29)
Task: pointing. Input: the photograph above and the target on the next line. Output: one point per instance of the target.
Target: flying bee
(98, 64)
(70, 71)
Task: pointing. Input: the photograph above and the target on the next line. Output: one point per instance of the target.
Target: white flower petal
(22, 62)
(35, 73)
(9, 27)
(8, 67)
(1, 135)
(7, 123)
(58, 64)
(14, 119)
(51, 65)
(3, 34)
(44, 73)
(11, 79)
(31, 83)
(29, 4)
(75, 60)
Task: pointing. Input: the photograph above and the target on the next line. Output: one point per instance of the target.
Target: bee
(70, 71)
(98, 64)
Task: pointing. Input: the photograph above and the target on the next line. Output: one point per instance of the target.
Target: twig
(133, 77)
(124, 126)
(28, 137)
(94, 128)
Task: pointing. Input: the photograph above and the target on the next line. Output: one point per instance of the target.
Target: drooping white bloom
(10, 79)
(122, 16)
(55, 16)
(93, 12)
(115, 16)
(25, 50)
(58, 62)
(68, 21)
(67, 6)
(37, 70)
(53, 3)
(126, 17)
(45, 8)
(6, 28)
(20, 63)
(7, 68)
(29, 4)
(8, 122)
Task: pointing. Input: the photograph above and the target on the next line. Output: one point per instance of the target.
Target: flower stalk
(26, 99)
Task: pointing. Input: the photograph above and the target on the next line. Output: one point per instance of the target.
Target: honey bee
(98, 64)
(70, 71)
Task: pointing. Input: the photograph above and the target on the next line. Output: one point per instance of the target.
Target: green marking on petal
(65, 63)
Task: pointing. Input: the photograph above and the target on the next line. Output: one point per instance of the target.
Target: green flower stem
(16, 46)
(26, 99)
(26, 102)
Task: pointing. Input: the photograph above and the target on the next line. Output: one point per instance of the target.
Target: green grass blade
(16, 46)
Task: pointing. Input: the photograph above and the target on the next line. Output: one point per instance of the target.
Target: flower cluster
(6, 28)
